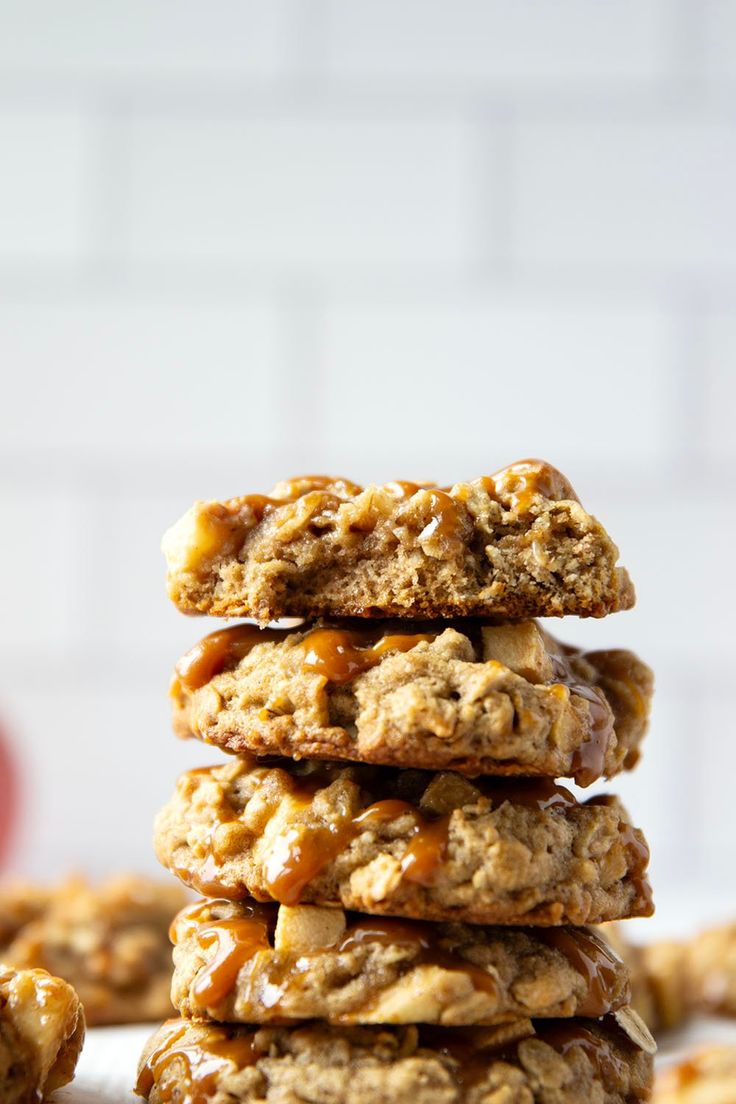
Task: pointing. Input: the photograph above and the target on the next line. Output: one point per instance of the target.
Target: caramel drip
(198, 1062)
(565, 1036)
(525, 481)
(303, 851)
(207, 882)
(539, 793)
(419, 937)
(596, 963)
(589, 759)
(220, 650)
(638, 855)
(472, 1061)
(428, 845)
(236, 942)
(301, 855)
(189, 920)
(340, 655)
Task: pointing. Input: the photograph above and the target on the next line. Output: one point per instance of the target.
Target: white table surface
(107, 1068)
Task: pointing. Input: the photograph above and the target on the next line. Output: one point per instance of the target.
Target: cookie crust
(478, 699)
(41, 1034)
(517, 544)
(263, 963)
(566, 1063)
(405, 843)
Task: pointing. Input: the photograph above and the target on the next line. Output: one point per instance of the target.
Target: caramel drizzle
(518, 485)
(472, 1062)
(194, 1066)
(304, 851)
(238, 940)
(596, 962)
(341, 655)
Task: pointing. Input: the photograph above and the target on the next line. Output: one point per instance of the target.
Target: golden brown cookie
(554, 1063)
(110, 942)
(400, 842)
(707, 1076)
(41, 1034)
(711, 968)
(20, 904)
(516, 544)
(247, 962)
(470, 697)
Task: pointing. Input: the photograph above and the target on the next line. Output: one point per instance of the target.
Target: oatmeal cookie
(706, 1077)
(474, 698)
(110, 942)
(558, 1062)
(711, 969)
(20, 904)
(41, 1034)
(264, 963)
(409, 843)
(516, 544)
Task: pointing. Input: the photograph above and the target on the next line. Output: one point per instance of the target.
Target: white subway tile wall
(240, 240)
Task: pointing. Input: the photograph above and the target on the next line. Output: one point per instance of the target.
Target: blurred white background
(239, 241)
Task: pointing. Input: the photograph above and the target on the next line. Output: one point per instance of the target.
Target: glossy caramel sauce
(340, 655)
(526, 480)
(596, 963)
(235, 943)
(589, 758)
(300, 856)
(304, 850)
(292, 489)
(566, 1035)
(422, 939)
(220, 650)
(237, 940)
(194, 1065)
(428, 846)
(638, 855)
(446, 519)
(473, 1061)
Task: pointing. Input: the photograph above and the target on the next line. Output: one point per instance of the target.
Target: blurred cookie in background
(674, 980)
(707, 1076)
(712, 970)
(660, 986)
(110, 941)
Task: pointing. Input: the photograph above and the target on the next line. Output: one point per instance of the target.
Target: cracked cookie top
(516, 544)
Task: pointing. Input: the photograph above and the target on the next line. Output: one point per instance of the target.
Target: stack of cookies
(396, 890)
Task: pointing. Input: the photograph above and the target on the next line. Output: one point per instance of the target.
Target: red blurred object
(8, 798)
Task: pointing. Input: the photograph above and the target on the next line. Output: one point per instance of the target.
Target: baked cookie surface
(41, 1034)
(480, 699)
(433, 846)
(264, 963)
(516, 544)
(555, 1063)
(110, 941)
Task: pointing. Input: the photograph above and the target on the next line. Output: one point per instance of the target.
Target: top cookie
(514, 544)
